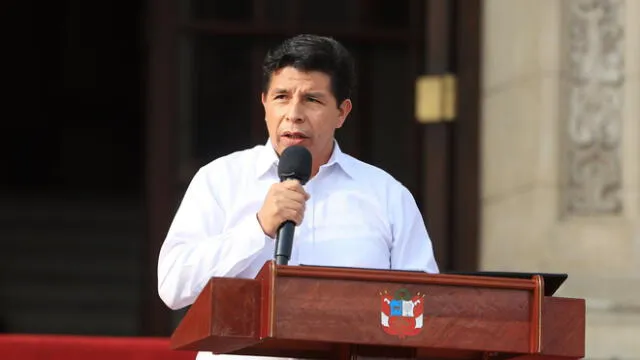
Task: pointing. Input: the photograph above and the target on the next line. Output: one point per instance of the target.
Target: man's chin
(285, 142)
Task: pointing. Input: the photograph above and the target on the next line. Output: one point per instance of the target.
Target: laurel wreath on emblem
(402, 294)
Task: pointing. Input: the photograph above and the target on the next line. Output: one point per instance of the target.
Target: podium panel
(345, 313)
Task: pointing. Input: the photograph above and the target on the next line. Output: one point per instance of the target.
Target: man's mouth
(294, 135)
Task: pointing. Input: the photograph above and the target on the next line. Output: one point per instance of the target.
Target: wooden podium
(343, 313)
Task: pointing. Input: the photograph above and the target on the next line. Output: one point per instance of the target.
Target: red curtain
(65, 347)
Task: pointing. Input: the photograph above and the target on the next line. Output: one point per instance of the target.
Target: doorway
(71, 210)
(204, 102)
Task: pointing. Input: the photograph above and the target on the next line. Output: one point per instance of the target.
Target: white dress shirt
(357, 216)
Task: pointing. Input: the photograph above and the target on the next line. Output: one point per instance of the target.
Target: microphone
(295, 163)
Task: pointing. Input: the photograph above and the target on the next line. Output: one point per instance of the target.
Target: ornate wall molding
(593, 121)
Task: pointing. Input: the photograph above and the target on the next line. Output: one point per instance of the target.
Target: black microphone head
(295, 163)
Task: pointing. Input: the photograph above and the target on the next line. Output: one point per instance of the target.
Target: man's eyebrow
(315, 94)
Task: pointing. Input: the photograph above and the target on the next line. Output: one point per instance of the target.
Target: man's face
(301, 109)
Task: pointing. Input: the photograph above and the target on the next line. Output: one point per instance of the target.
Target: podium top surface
(552, 281)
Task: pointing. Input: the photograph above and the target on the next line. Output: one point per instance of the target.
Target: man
(349, 213)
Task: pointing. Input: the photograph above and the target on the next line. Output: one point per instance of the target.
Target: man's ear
(344, 110)
(263, 98)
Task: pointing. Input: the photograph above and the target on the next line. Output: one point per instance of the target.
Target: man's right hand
(285, 201)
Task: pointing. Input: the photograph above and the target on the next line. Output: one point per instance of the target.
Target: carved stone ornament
(594, 118)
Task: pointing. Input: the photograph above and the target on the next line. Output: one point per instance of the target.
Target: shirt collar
(268, 159)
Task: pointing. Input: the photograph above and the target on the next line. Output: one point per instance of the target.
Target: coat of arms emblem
(402, 313)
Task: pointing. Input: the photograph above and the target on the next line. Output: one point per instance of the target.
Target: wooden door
(450, 139)
(204, 91)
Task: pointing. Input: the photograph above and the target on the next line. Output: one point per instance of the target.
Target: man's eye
(312, 99)
(280, 96)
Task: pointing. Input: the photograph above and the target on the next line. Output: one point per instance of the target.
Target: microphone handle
(284, 242)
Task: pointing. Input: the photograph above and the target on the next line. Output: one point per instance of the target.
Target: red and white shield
(402, 315)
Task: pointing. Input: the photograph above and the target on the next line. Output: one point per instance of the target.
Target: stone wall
(561, 155)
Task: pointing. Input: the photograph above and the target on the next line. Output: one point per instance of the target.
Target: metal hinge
(435, 98)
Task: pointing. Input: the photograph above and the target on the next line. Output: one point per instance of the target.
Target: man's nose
(295, 113)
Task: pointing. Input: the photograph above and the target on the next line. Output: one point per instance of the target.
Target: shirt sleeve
(411, 248)
(196, 248)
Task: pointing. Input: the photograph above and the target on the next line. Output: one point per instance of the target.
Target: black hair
(313, 53)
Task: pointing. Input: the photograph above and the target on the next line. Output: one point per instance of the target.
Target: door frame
(450, 152)
(451, 149)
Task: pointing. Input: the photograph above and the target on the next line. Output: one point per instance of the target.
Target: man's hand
(285, 201)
